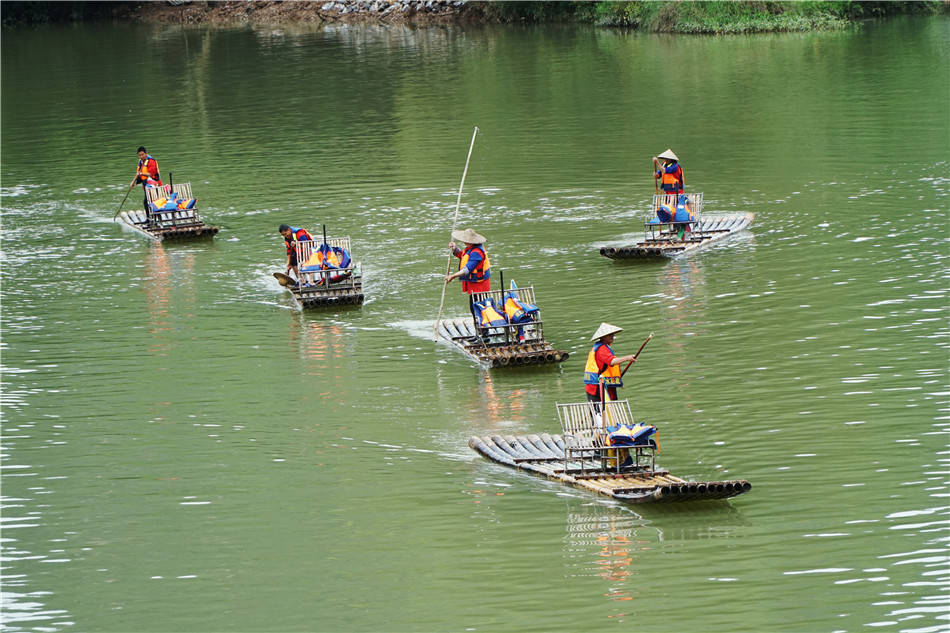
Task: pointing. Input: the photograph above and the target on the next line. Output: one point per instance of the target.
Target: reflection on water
(617, 545)
(319, 344)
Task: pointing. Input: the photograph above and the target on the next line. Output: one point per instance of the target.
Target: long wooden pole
(448, 264)
(131, 185)
(637, 354)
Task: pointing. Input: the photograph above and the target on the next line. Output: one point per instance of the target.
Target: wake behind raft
(676, 226)
(589, 451)
(172, 215)
(328, 275)
(506, 330)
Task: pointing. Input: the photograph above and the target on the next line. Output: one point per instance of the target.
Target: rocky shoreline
(301, 11)
(662, 16)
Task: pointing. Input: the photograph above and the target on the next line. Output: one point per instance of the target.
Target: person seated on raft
(474, 267)
(291, 235)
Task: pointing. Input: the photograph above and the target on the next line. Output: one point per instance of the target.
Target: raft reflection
(160, 269)
(610, 541)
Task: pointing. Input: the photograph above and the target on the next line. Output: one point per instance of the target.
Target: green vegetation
(672, 16)
(14, 12)
(712, 16)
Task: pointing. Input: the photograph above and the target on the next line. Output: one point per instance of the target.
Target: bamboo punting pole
(448, 265)
(636, 355)
(131, 186)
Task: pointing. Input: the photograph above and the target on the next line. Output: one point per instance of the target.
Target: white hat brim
(604, 330)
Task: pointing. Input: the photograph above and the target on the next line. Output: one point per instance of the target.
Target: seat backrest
(306, 248)
(184, 191)
(618, 412)
(670, 199)
(577, 424)
(154, 193)
(340, 242)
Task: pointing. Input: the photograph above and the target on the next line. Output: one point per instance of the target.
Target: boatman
(669, 172)
(292, 235)
(602, 377)
(603, 368)
(474, 267)
(672, 182)
(146, 174)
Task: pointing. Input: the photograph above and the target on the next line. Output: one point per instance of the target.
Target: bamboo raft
(572, 460)
(660, 239)
(178, 224)
(504, 345)
(325, 288)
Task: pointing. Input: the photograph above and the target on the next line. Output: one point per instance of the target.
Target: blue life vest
(636, 435)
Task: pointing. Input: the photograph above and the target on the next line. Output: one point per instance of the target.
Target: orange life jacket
(143, 171)
(296, 235)
(482, 271)
(609, 374)
(671, 182)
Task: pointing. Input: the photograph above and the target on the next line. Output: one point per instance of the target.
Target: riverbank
(703, 17)
(419, 12)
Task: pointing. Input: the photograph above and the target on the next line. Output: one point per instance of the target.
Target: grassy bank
(714, 16)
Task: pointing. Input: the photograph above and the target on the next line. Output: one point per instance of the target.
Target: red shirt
(476, 286)
(603, 356)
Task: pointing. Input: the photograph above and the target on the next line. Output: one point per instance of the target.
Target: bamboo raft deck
(461, 334)
(499, 346)
(346, 294)
(544, 455)
(664, 243)
(327, 288)
(580, 457)
(180, 224)
(660, 237)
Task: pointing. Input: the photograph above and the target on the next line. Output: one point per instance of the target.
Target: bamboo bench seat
(585, 436)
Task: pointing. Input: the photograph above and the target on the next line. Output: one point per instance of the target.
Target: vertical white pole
(448, 264)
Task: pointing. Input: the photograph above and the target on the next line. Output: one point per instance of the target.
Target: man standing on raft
(474, 267)
(146, 174)
(602, 372)
(602, 377)
(672, 182)
(670, 173)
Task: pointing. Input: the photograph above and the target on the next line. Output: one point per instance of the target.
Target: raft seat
(172, 217)
(325, 278)
(652, 225)
(582, 429)
(618, 412)
(532, 330)
(582, 437)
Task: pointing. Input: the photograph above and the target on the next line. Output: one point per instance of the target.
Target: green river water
(185, 450)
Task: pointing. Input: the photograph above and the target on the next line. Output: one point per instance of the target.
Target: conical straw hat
(668, 154)
(468, 236)
(604, 330)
